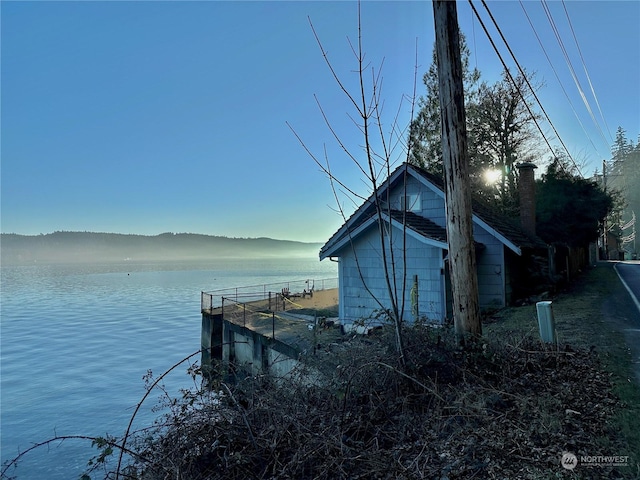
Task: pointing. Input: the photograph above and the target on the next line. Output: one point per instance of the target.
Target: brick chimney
(527, 187)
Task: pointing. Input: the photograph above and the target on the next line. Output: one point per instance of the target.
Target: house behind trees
(510, 262)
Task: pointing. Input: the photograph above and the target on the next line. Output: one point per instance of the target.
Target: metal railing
(253, 293)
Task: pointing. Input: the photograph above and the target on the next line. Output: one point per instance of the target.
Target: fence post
(273, 325)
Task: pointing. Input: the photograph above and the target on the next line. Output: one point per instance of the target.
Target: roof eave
(418, 235)
(343, 231)
(349, 236)
(508, 243)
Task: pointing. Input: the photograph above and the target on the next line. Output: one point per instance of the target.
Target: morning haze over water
(77, 338)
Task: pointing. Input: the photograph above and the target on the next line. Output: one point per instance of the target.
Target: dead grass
(586, 319)
(507, 408)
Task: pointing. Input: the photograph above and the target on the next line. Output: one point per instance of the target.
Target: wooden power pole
(462, 257)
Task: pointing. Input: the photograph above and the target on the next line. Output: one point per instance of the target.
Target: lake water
(76, 341)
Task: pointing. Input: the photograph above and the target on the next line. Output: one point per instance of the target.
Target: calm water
(76, 341)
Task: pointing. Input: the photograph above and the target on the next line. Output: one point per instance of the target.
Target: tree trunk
(462, 258)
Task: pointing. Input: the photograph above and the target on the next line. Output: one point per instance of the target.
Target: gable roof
(506, 229)
(421, 225)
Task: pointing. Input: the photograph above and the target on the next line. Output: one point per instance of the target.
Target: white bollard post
(546, 322)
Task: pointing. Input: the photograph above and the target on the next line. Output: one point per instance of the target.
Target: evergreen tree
(569, 208)
(424, 131)
(500, 131)
(623, 175)
(504, 135)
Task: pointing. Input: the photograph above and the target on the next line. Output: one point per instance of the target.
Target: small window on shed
(410, 203)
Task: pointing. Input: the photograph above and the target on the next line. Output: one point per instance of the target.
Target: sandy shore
(321, 299)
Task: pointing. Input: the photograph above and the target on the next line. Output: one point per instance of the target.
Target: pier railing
(254, 293)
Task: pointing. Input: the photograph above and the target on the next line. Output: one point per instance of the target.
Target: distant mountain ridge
(66, 247)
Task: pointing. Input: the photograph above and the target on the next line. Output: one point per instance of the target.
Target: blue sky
(149, 117)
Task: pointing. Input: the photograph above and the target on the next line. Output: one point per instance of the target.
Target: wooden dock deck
(292, 325)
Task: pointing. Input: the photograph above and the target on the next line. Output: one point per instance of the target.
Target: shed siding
(356, 303)
(422, 260)
(491, 262)
(491, 269)
(431, 204)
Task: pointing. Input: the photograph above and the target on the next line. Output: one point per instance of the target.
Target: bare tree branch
(375, 166)
(333, 72)
(135, 412)
(322, 167)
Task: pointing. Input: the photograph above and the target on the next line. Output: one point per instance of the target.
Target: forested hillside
(61, 247)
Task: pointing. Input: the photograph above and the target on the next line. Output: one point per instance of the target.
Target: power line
(529, 85)
(558, 78)
(516, 85)
(475, 46)
(584, 66)
(571, 69)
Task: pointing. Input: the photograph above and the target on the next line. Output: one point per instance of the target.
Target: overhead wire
(524, 76)
(576, 80)
(508, 72)
(575, 112)
(475, 46)
(586, 72)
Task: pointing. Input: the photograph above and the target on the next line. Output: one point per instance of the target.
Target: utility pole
(462, 256)
(605, 243)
